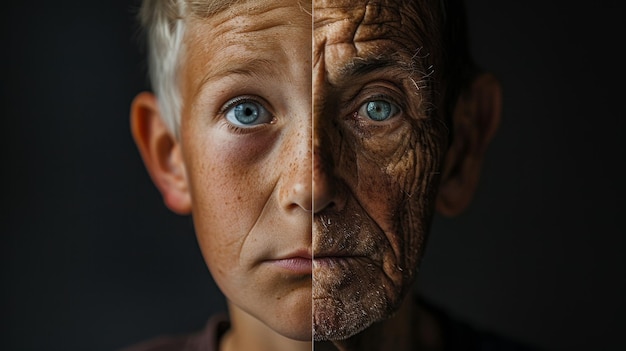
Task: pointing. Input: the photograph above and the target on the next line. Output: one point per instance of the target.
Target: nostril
(321, 207)
(326, 196)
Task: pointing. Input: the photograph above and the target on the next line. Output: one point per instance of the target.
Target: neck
(248, 333)
(411, 328)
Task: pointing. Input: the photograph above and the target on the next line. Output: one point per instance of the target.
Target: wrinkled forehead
(207, 8)
(361, 29)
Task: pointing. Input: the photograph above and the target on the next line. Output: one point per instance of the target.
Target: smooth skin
(242, 165)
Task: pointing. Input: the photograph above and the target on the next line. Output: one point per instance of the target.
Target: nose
(322, 186)
(309, 183)
(326, 192)
(296, 188)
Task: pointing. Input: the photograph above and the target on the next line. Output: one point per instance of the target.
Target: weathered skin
(374, 181)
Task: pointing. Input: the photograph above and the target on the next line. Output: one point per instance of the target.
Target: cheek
(395, 177)
(226, 179)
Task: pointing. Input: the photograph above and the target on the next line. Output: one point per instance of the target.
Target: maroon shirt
(205, 340)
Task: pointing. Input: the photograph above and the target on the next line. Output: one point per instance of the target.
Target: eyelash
(239, 100)
(237, 130)
(378, 97)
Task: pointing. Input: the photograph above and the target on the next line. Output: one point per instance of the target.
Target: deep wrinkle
(383, 174)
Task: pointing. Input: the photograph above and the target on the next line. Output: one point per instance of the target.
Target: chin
(294, 321)
(332, 323)
(299, 335)
(294, 330)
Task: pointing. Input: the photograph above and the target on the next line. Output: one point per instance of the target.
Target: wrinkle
(385, 169)
(378, 229)
(319, 63)
(261, 216)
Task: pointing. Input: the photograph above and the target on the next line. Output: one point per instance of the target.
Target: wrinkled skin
(374, 182)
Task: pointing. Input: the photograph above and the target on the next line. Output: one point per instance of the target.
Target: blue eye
(378, 110)
(247, 114)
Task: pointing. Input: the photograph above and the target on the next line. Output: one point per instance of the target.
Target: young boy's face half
(245, 144)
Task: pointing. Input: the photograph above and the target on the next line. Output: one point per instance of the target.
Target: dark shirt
(460, 336)
(457, 336)
(205, 340)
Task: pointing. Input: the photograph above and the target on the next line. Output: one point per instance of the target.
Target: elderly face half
(379, 154)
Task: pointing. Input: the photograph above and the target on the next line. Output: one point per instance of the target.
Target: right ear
(160, 152)
(475, 120)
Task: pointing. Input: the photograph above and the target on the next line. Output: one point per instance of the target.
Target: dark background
(92, 259)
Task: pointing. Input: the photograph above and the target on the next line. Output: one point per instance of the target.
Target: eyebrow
(394, 64)
(362, 66)
(252, 68)
(242, 66)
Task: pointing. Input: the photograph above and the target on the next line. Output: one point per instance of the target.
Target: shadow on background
(92, 259)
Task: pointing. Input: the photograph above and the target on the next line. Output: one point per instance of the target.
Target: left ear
(475, 120)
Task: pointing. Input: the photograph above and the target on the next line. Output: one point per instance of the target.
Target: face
(377, 154)
(246, 144)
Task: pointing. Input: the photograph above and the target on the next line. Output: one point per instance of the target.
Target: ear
(161, 153)
(475, 120)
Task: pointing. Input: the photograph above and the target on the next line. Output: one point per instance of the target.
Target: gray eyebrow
(363, 65)
(413, 68)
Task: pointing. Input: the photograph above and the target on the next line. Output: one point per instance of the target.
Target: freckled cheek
(228, 177)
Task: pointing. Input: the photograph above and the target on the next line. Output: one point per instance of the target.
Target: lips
(332, 255)
(299, 262)
(330, 261)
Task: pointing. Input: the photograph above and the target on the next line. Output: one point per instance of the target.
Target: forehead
(241, 24)
(244, 36)
(347, 30)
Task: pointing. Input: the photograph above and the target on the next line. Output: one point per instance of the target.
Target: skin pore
(257, 54)
(381, 167)
(242, 165)
(312, 169)
(378, 153)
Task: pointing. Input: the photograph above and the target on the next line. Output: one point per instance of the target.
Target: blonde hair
(163, 22)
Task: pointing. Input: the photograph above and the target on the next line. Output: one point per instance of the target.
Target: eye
(247, 113)
(378, 110)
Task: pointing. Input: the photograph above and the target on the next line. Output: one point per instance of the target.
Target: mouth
(331, 260)
(299, 263)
